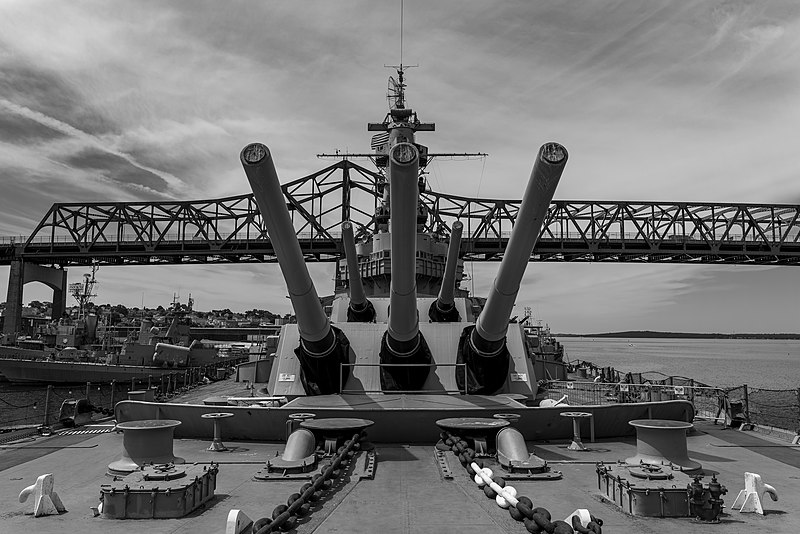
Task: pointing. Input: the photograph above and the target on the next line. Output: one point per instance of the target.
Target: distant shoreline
(639, 334)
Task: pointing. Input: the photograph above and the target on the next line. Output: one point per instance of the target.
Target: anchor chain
(536, 519)
(285, 516)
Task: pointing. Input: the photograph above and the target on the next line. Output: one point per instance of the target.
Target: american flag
(379, 139)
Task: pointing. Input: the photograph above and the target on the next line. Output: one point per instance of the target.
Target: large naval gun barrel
(403, 343)
(322, 348)
(360, 309)
(443, 309)
(485, 353)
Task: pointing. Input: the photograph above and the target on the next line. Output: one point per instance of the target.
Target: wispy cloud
(88, 140)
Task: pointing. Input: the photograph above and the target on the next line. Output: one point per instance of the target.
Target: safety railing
(33, 406)
(776, 408)
(771, 408)
(706, 400)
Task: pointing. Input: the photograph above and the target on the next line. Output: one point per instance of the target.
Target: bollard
(237, 523)
(88, 387)
(113, 393)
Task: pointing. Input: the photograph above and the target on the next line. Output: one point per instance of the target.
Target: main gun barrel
(312, 322)
(492, 324)
(403, 343)
(483, 348)
(403, 198)
(321, 351)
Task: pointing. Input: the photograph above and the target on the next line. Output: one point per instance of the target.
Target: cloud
(86, 139)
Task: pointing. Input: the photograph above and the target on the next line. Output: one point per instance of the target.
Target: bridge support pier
(13, 316)
(20, 274)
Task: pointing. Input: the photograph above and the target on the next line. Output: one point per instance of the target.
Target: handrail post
(46, 422)
(797, 420)
(746, 404)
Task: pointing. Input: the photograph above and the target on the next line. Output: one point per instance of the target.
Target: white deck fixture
(45, 500)
(749, 499)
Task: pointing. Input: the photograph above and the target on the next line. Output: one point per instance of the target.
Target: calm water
(769, 364)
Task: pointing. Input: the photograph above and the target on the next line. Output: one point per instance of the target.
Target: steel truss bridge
(231, 230)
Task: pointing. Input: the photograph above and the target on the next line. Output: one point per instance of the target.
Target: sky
(655, 101)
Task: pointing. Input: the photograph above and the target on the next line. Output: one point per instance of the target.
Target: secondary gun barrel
(320, 352)
(360, 309)
(443, 308)
(403, 198)
(492, 324)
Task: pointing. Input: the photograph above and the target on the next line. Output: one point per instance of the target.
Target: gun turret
(403, 342)
(360, 309)
(483, 347)
(443, 309)
(322, 348)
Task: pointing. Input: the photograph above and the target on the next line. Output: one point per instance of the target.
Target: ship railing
(33, 406)
(415, 391)
(706, 399)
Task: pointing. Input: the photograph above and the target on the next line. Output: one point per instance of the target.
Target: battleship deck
(408, 494)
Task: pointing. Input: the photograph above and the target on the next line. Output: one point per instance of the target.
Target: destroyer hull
(52, 372)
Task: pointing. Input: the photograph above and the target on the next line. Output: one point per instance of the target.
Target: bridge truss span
(231, 230)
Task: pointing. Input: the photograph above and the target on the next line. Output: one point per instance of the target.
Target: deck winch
(160, 491)
(660, 491)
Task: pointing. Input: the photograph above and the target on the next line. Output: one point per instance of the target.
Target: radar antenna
(396, 92)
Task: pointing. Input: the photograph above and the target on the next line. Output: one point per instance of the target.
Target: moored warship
(410, 407)
(151, 352)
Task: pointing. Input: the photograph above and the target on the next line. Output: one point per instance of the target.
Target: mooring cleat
(45, 500)
(750, 498)
(237, 523)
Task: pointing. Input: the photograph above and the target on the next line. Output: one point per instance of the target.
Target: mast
(82, 292)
